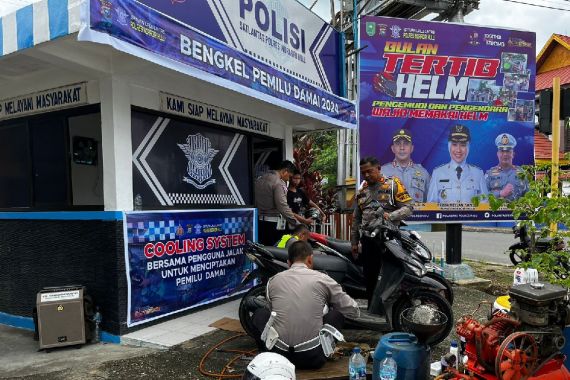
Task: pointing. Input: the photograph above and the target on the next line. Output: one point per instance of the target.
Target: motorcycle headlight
(423, 253)
(419, 271)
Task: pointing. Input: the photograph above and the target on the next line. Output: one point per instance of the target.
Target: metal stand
(455, 270)
(453, 243)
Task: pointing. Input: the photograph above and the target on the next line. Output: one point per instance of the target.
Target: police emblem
(418, 173)
(395, 31)
(122, 16)
(199, 153)
(370, 28)
(179, 230)
(505, 140)
(443, 194)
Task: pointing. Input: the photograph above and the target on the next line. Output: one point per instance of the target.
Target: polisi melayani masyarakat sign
(44, 101)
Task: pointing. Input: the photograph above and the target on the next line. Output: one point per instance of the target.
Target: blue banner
(179, 260)
(153, 31)
(449, 109)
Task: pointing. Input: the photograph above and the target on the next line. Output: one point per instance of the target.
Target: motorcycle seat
(341, 246)
(334, 266)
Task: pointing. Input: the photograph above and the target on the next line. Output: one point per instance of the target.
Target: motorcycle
(522, 252)
(344, 247)
(409, 286)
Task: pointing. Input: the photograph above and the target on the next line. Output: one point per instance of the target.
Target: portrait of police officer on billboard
(457, 181)
(414, 176)
(502, 180)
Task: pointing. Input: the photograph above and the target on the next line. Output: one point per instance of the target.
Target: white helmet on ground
(269, 366)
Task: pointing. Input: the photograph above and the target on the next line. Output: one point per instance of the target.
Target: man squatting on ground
(305, 302)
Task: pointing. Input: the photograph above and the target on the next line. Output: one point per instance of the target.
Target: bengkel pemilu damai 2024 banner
(448, 109)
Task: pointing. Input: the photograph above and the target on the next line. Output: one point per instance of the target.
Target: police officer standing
(502, 180)
(271, 202)
(414, 176)
(457, 181)
(378, 190)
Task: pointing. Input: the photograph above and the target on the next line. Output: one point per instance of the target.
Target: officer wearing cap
(414, 176)
(502, 180)
(457, 181)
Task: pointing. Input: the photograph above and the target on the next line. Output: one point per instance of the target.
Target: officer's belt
(268, 218)
(301, 347)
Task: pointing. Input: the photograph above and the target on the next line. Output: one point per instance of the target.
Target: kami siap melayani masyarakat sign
(449, 109)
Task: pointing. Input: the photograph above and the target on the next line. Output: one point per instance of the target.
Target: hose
(223, 375)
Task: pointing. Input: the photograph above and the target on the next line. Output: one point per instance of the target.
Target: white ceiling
(9, 6)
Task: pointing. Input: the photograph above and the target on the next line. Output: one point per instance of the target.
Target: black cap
(459, 133)
(402, 133)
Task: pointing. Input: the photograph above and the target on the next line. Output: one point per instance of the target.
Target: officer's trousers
(268, 233)
(371, 262)
(311, 359)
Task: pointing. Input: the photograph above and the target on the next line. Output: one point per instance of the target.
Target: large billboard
(179, 260)
(279, 52)
(449, 109)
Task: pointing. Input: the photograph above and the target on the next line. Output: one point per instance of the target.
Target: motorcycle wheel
(251, 301)
(565, 268)
(423, 297)
(517, 258)
(448, 291)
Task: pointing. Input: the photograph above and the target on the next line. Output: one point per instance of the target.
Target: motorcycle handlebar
(260, 248)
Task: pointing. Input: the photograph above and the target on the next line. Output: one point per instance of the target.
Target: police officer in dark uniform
(502, 180)
(414, 176)
(387, 192)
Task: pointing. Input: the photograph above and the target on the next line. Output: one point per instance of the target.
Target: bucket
(412, 358)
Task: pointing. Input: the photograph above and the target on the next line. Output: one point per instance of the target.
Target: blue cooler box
(412, 358)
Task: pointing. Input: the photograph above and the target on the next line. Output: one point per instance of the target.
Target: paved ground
(19, 358)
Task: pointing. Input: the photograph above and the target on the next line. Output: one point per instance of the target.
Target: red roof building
(543, 148)
(553, 61)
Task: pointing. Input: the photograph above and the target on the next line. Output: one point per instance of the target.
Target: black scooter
(522, 250)
(335, 247)
(404, 262)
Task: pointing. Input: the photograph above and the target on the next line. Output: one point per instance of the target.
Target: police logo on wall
(199, 152)
(213, 161)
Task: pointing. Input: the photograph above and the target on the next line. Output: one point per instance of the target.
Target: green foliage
(538, 209)
(326, 156)
(304, 155)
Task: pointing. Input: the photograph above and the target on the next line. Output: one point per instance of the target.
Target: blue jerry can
(412, 358)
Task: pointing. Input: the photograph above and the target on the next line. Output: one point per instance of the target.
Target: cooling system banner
(179, 260)
(281, 50)
(449, 109)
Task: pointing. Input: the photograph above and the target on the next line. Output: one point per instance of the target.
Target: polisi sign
(281, 28)
(282, 34)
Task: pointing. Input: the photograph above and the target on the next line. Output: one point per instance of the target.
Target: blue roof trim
(25, 27)
(63, 215)
(58, 18)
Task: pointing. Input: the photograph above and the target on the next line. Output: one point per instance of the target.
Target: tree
(538, 209)
(307, 161)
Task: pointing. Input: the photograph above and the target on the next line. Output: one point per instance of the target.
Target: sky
(498, 13)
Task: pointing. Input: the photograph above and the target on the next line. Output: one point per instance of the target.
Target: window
(36, 166)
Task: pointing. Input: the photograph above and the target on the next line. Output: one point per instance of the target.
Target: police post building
(130, 137)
